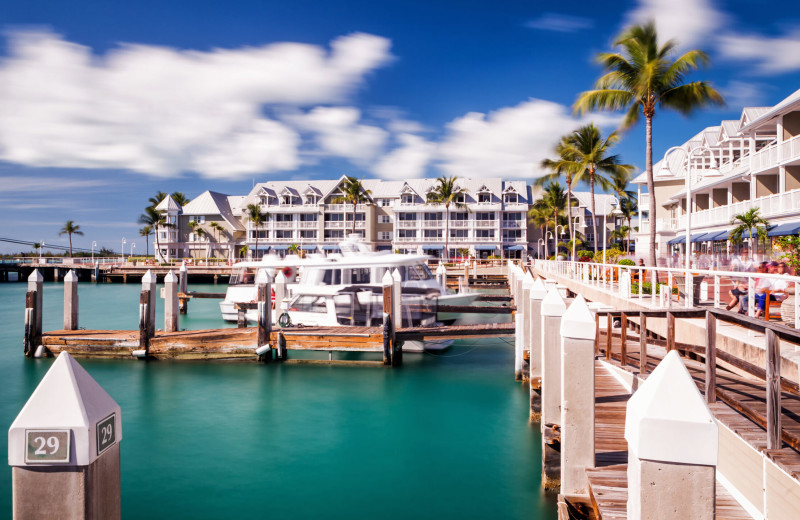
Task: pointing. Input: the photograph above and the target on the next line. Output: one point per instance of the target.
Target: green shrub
(626, 261)
(584, 252)
(647, 288)
(612, 255)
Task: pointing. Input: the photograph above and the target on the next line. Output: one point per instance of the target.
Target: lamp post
(547, 237)
(41, 249)
(664, 171)
(94, 244)
(555, 240)
(123, 248)
(133, 246)
(539, 247)
(614, 203)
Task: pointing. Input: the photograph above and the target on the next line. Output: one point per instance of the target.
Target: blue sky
(102, 104)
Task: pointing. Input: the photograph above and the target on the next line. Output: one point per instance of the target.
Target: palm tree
(70, 228)
(256, 218)
(619, 234)
(146, 232)
(155, 219)
(294, 249)
(628, 208)
(180, 198)
(156, 199)
(642, 77)
(565, 166)
(217, 229)
(588, 153)
(553, 203)
(747, 222)
(36, 247)
(447, 193)
(540, 217)
(353, 192)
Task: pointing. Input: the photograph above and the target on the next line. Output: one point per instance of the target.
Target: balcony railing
(344, 207)
(433, 223)
(769, 206)
(513, 223)
(308, 224)
(407, 224)
(485, 239)
(283, 225)
(485, 223)
(459, 223)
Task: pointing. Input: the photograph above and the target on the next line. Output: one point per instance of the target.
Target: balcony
(406, 239)
(308, 224)
(513, 224)
(770, 206)
(406, 224)
(283, 225)
(344, 207)
(485, 239)
(485, 223)
(459, 224)
(335, 224)
(438, 224)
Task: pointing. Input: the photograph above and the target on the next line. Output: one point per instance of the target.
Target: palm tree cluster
(449, 194)
(256, 218)
(154, 219)
(353, 192)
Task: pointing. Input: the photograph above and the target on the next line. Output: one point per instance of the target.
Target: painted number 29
(45, 443)
(107, 432)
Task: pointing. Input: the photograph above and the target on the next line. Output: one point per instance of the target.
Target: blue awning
(514, 248)
(485, 248)
(433, 248)
(677, 240)
(702, 237)
(788, 228)
(308, 247)
(281, 247)
(330, 247)
(718, 235)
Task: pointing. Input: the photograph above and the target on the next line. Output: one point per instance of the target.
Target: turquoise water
(445, 436)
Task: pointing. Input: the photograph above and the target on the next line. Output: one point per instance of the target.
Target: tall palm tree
(180, 198)
(70, 228)
(628, 208)
(155, 219)
(554, 204)
(563, 165)
(256, 218)
(217, 230)
(447, 193)
(540, 217)
(748, 222)
(353, 192)
(145, 232)
(156, 199)
(588, 153)
(642, 77)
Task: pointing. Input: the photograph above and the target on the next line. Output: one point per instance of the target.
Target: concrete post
(672, 447)
(537, 294)
(183, 275)
(171, 311)
(71, 301)
(577, 397)
(64, 448)
(149, 284)
(280, 291)
(523, 311)
(397, 299)
(264, 321)
(553, 308)
(36, 283)
(441, 276)
(96, 272)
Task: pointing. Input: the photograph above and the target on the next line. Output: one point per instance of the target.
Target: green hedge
(647, 288)
(626, 261)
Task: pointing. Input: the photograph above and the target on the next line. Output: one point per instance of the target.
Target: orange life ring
(288, 272)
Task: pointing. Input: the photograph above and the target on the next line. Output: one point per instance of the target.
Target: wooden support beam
(264, 321)
(711, 358)
(609, 328)
(773, 391)
(670, 331)
(623, 353)
(29, 340)
(144, 321)
(388, 319)
(642, 343)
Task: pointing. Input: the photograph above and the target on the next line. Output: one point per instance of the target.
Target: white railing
(336, 224)
(406, 239)
(485, 239)
(513, 223)
(343, 207)
(433, 223)
(58, 260)
(459, 223)
(308, 224)
(770, 206)
(485, 223)
(406, 224)
(790, 150)
(702, 286)
(283, 225)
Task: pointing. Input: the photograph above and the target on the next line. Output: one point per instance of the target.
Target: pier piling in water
(527, 287)
(537, 294)
(171, 310)
(144, 324)
(553, 308)
(30, 339)
(183, 284)
(71, 301)
(149, 285)
(263, 348)
(389, 328)
(36, 283)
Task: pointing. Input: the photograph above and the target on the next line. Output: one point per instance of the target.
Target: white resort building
(753, 162)
(310, 215)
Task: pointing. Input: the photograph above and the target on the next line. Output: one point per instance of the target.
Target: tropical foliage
(644, 76)
(747, 223)
(447, 193)
(353, 192)
(69, 229)
(549, 211)
(256, 218)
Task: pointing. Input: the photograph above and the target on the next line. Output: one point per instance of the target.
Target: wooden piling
(264, 321)
(623, 333)
(711, 358)
(149, 284)
(643, 343)
(670, 331)
(171, 305)
(773, 391)
(30, 339)
(388, 319)
(36, 283)
(183, 284)
(609, 329)
(144, 321)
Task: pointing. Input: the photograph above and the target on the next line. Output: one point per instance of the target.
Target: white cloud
(689, 22)
(163, 111)
(560, 23)
(769, 55)
(22, 184)
(739, 94)
(338, 132)
(509, 142)
(409, 160)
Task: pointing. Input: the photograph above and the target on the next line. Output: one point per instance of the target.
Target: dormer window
(461, 199)
(311, 199)
(262, 200)
(510, 198)
(286, 200)
(407, 199)
(484, 198)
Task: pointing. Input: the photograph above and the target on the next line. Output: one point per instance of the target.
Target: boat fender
(273, 299)
(284, 320)
(288, 272)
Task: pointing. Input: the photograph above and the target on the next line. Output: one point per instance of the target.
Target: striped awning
(514, 248)
(330, 247)
(280, 247)
(702, 237)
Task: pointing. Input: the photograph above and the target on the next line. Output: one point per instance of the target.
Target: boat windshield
(243, 276)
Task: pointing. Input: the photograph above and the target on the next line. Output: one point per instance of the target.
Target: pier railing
(665, 287)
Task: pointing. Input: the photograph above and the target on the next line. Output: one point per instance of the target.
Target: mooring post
(388, 318)
(183, 287)
(577, 397)
(553, 308)
(144, 325)
(96, 272)
(397, 301)
(36, 283)
(773, 383)
(672, 447)
(280, 291)
(523, 311)
(538, 293)
(466, 274)
(149, 284)
(264, 333)
(71, 301)
(30, 341)
(441, 275)
(171, 311)
(63, 448)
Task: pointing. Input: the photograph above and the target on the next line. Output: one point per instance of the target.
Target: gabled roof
(789, 104)
(311, 190)
(711, 136)
(213, 203)
(728, 129)
(289, 191)
(168, 204)
(751, 114)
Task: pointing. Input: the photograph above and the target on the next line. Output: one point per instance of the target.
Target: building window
(384, 202)
(459, 215)
(485, 215)
(407, 233)
(262, 201)
(407, 216)
(311, 199)
(510, 198)
(384, 235)
(512, 216)
(284, 217)
(512, 235)
(484, 233)
(459, 233)
(334, 234)
(461, 199)
(200, 219)
(484, 198)
(308, 217)
(432, 233)
(433, 216)
(360, 217)
(308, 233)
(171, 252)
(261, 234)
(407, 199)
(163, 235)
(284, 234)
(384, 219)
(334, 217)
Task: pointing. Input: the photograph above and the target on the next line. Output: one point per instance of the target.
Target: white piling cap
(262, 277)
(441, 269)
(553, 304)
(668, 420)
(148, 278)
(578, 321)
(67, 398)
(183, 267)
(71, 277)
(170, 278)
(396, 276)
(527, 281)
(538, 291)
(387, 279)
(279, 278)
(35, 276)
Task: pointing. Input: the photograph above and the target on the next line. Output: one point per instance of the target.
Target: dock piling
(144, 323)
(183, 286)
(553, 308)
(577, 397)
(149, 285)
(397, 302)
(171, 311)
(71, 301)
(264, 317)
(389, 328)
(537, 293)
(673, 444)
(30, 340)
(36, 283)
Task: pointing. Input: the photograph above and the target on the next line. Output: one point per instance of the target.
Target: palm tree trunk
(594, 213)
(546, 249)
(354, 218)
(446, 255)
(70, 243)
(158, 249)
(569, 211)
(651, 188)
